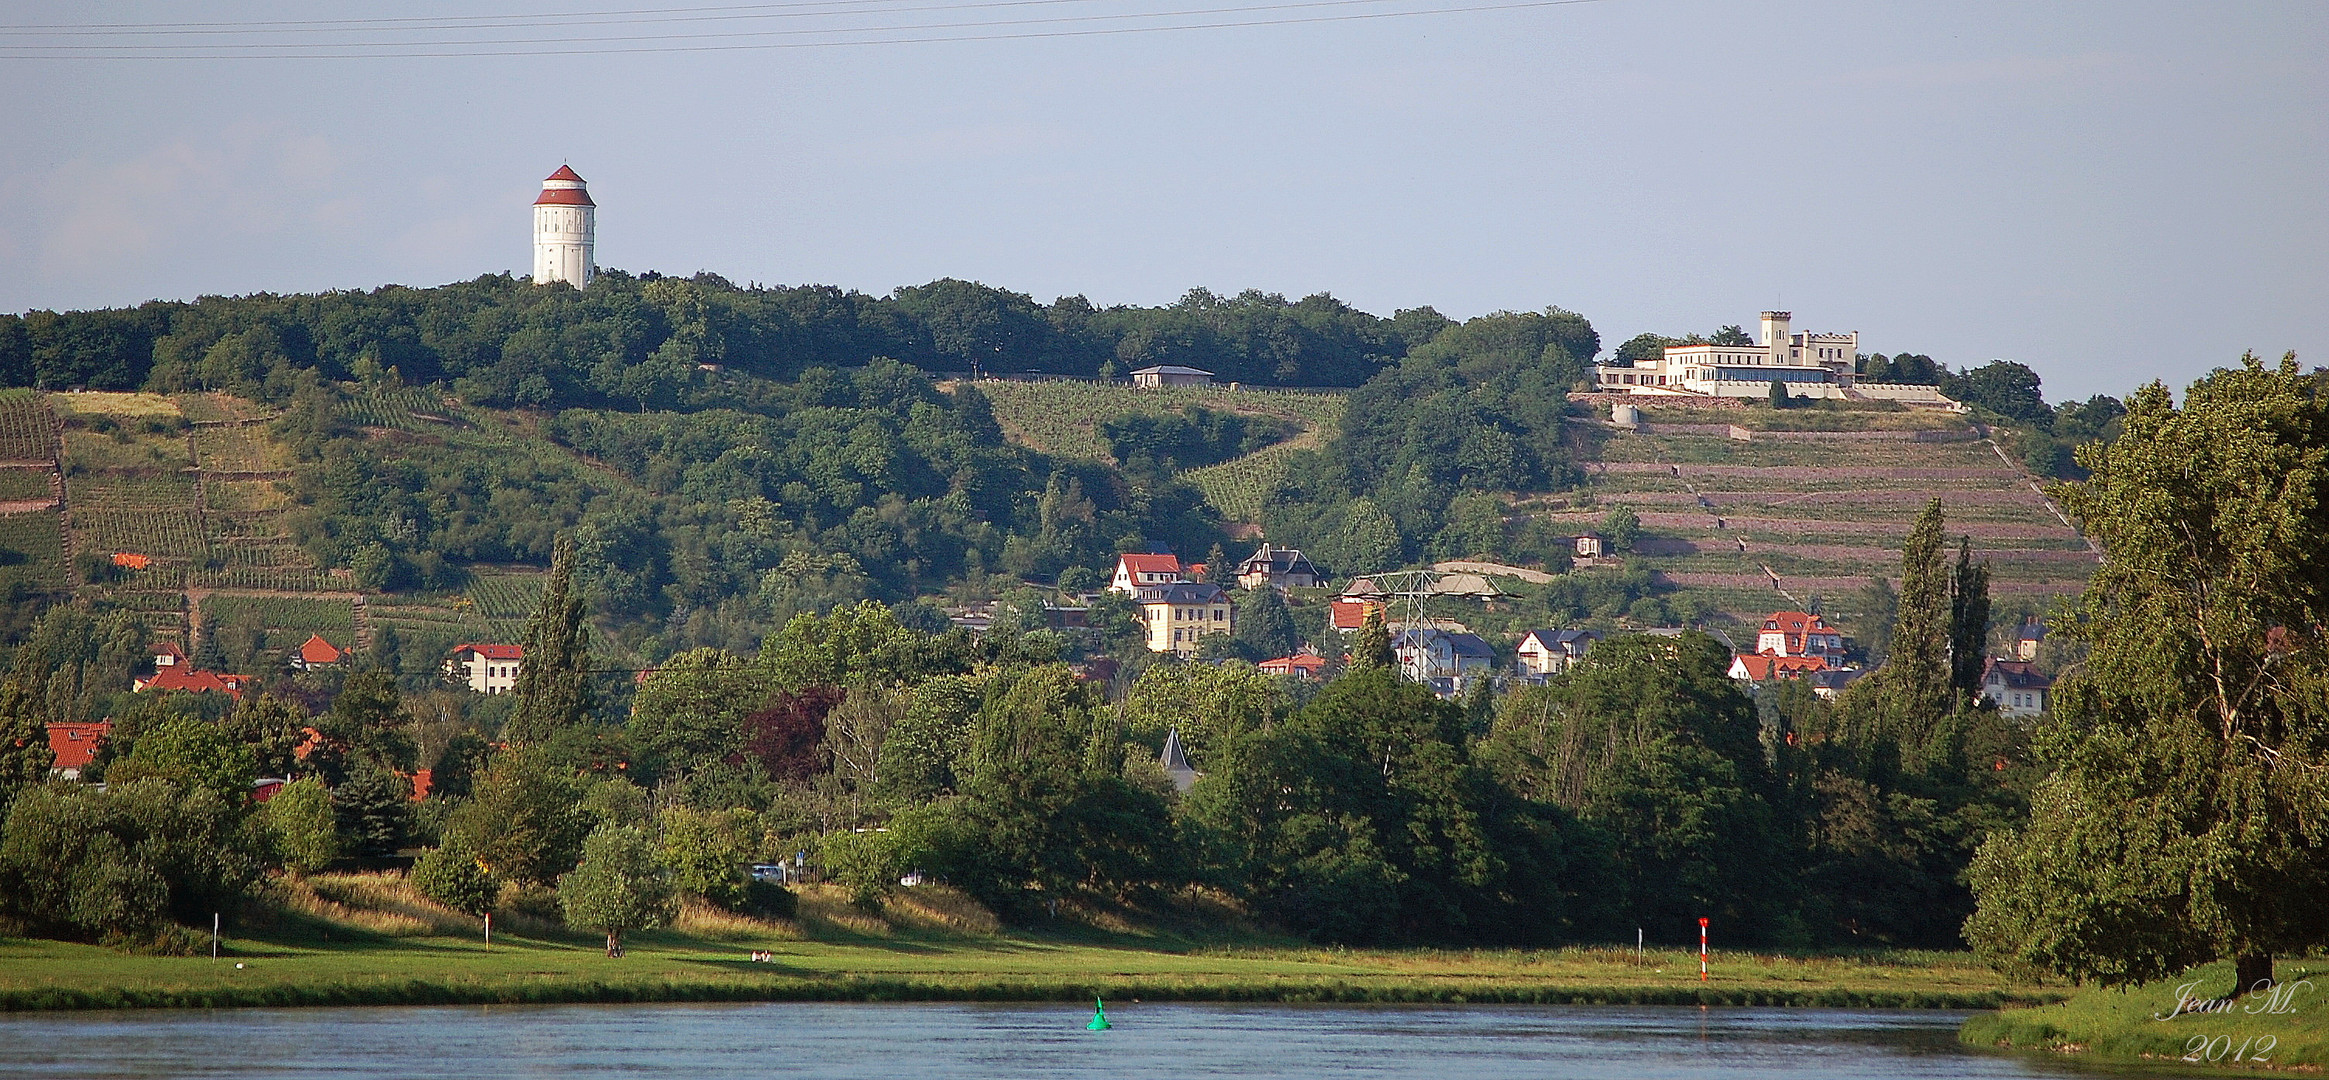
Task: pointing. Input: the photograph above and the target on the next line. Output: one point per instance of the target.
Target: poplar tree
(1968, 620)
(1912, 688)
(25, 756)
(1373, 647)
(2186, 794)
(553, 685)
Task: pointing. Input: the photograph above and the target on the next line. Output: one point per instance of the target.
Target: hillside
(1812, 504)
(1063, 418)
(199, 487)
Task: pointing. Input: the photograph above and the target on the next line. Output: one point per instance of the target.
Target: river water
(878, 1042)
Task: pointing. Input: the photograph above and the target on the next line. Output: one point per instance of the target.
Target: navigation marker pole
(1702, 950)
(214, 935)
(1099, 1017)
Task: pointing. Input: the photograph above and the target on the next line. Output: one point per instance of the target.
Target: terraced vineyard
(1063, 417)
(28, 429)
(1752, 525)
(1241, 487)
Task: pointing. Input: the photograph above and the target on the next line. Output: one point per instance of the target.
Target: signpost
(1702, 950)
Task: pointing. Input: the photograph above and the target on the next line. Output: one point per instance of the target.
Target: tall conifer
(554, 678)
(1968, 620)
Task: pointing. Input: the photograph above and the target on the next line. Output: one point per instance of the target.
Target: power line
(458, 23)
(739, 34)
(410, 49)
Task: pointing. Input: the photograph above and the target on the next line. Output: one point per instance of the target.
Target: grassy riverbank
(933, 952)
(2254, 1033)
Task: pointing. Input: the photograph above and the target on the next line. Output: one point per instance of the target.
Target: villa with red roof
(75, 746)
(1799, 633)
(1308, 667)
(187, 680)
(1764, 667)
(1136, 572)
(315, 653)
(486, 669)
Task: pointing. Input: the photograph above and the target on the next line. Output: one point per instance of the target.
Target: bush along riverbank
(2191, 1019)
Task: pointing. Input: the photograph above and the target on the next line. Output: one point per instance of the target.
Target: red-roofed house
(486, 669)
(315, 652)
(168, 654)
(75, 746)
(1137, 572)
(130, 560)
(1308, 667)
(1797, 633)
(422, 781)
(184, 679)
(1350, 615)
(1764, 667)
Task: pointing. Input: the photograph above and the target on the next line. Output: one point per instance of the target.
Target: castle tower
(565, 227)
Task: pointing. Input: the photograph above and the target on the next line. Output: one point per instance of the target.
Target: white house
(2016, 687)
(1811, 365)
(1441, 659)
(1550, 652)
(486, 669)
(1135, 572)
(1172, 375)
(1180, 614)
(1281, 567)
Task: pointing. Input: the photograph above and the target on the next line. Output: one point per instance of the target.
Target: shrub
(707, 852)
(451, 874)
(769, 900)
(299, 821)
(119, 865)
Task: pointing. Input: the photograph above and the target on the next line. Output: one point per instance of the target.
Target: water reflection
(877, 1042)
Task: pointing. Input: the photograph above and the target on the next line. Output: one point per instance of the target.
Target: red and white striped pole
(1702, 950)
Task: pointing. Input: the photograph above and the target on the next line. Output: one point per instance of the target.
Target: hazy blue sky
(2109, 192)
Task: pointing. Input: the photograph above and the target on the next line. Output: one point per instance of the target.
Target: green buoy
(1099, 1017)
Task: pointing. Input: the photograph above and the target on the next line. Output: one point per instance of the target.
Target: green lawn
(353, 967)
(2145, 1024)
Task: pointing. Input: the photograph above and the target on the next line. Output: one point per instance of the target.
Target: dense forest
(644, 342)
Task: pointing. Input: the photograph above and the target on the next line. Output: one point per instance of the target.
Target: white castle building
(1811, 365)
(565, 227)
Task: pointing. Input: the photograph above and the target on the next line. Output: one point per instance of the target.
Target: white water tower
(565, 227)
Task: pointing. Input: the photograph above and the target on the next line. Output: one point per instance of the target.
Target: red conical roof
(562, 195)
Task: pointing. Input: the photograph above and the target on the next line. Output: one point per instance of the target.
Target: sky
(2108, 192)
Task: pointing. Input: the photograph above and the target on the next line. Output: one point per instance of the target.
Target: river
(875, 1042)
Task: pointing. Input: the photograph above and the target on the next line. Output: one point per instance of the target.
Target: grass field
(369, 942)
(2147, 1024)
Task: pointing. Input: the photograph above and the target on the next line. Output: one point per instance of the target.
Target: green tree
(190, 751)
(452, 875)
(1211, 705)
(272, 726)
(690, 711)
(120, 864)
(1779, 398)
(1372, 649)
(1912, 689)
(553, 687)
(1968, 620)
(299, 819)
(25, 756)
(708, 852)
(525, 818)
(373, 808)
(1264, 626)
(2187, 758)
(1622, 528)
(621, 886)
